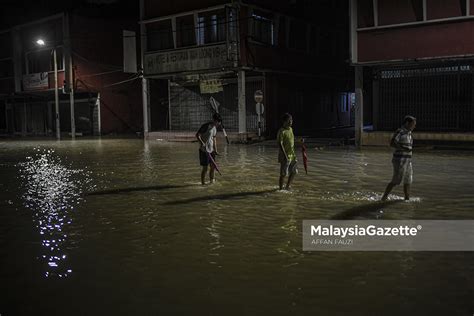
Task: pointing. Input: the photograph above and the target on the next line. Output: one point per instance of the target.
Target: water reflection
(155, 229)
(213, 229)
(290, 228)
(51, 193)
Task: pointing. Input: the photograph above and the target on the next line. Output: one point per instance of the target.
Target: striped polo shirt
(403, 143)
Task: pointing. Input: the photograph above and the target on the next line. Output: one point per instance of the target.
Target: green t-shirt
(286, 136)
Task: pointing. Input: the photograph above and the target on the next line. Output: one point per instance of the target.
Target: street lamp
(41, 42)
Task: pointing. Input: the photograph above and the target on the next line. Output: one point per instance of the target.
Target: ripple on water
(364, 196)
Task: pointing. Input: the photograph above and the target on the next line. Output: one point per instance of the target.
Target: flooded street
(123, 227)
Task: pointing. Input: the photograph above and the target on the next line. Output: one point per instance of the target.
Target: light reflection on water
(51, 192)
(150, 235)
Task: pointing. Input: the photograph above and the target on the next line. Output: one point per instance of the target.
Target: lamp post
(41, 42)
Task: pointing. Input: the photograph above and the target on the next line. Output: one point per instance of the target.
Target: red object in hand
(213, 162)
(305, 158)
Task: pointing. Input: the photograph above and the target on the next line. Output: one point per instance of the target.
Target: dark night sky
(14, 12)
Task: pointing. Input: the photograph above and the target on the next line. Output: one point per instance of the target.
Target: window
(313, 40)
(325, 103)
(325, 41)
(261, 27)
(6, 69)
(298, 39)
(43, 60)
(344, 102)
(211, 27)
(437, 9)
(365, 13)
(282, 35)
(159, 35)
(185, 31)
(232, 28)
(400, 11)
(6, 47)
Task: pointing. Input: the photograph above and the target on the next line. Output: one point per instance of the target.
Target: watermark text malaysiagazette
(370, 230)
(388, 235)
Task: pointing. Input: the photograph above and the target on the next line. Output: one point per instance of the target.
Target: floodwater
(123, 227)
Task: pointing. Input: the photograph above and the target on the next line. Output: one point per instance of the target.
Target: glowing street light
(40, 42)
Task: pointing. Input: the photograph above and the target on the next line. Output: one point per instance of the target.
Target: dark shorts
(204, 158)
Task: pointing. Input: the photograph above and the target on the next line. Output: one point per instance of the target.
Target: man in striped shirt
(402, 141)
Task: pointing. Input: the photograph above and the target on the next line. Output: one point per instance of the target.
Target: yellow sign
(210, 86)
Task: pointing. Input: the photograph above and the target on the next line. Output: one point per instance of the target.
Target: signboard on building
(201, 58)
(210, 86)
(37, 81)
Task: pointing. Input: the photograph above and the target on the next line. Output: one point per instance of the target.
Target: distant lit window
(159, 35)
(211, 27)
(344, 102)
(262, 28)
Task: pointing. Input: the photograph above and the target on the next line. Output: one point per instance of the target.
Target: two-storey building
(87, 53)
(199, 54)
(414, 57)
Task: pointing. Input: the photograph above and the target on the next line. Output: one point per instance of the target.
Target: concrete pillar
(50, 117)
(242, 105)
(145, 107)
(24, 121)
(359, 106)
(56, 95)
(99, 126)
(143, 40)
(69, 75)
(6, 116)
(353, 32)
(73, 119)
(169, 104)
(375, 102)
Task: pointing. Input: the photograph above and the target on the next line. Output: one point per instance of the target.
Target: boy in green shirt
(286, 154)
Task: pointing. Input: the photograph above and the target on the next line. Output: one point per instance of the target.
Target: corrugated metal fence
(190, 109)
(440, 96)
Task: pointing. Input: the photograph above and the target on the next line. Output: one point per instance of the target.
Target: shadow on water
(227, 196)
(364, 209)
(135, 189)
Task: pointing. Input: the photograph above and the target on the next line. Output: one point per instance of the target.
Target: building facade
(91, 82)
(413, 57)
(196, 56)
